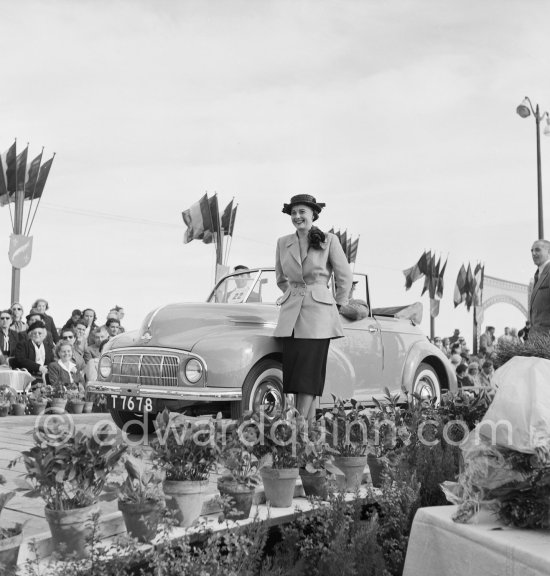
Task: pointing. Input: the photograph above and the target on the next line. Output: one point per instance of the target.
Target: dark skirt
(304, 365)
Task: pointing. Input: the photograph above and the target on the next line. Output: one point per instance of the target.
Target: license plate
(131, 403)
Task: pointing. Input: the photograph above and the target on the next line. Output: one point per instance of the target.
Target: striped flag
(198, 220)
(21, 168)
(233, 217)
(344, 241)
(469, 287)
(460, 294)
(428, 272)
(213, 234)
(479, 274)
(9, 159)
(439, 289)
(353, 251)
(415, 272)
(42, 177)
(226, 218)
(32, 177)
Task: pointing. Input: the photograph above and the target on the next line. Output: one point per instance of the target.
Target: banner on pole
(20, 250)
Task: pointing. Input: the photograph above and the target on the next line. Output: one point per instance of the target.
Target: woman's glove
(354, 310)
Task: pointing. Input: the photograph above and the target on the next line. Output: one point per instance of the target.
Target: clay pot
(352, 467)
(141, 519)
(279, 485)
(241, 496)
(71, 529)
(184, 497)
(18, 409)
(315, 484)
(9, 551)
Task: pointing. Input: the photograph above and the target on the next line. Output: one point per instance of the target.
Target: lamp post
(524, 110)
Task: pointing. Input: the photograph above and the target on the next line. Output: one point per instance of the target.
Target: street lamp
(525, 109)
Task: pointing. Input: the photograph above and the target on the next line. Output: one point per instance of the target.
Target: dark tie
(536, 276)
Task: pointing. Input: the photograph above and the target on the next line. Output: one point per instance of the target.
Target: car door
(355, 362)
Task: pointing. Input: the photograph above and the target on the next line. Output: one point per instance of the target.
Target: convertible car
(220, 355)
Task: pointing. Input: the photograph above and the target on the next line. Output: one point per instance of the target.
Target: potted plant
(313, 457)
(19, 404)
(140, 497)
(186, 450)
(347, 425)
(88, 403)
(38, 400)
(68, 470)
(10, 538)
(240, 469)
(75, 400)
(58, 399)
(5, 401)
(278, 437)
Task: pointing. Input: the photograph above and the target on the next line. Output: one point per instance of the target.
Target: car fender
(424, 351)
(231, 355)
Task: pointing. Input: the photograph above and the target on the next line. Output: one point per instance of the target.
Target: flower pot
(75, 406)
(58, 405)
(71, 529)
(279, 484)
(315, 484)
(4, 409)
(352, 467)
(87, 407)
(184, 497)
(18, 409)
(242, 497)
(376, 467)
(141, 519)
(9, 551)
(38, 408)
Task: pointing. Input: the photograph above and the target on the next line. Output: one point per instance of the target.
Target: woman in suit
(309, 318)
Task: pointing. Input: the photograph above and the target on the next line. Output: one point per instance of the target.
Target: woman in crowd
(63, 371)
(89, 316)
(41, 306)
(309, 318)
(76, 315)
(18, 324)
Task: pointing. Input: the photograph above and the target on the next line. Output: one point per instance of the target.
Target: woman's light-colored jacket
(307, 305)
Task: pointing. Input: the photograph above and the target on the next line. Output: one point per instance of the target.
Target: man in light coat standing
(539, 300)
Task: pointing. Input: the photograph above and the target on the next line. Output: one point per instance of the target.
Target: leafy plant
(277, 436)
(237, 457)
(186, 449)
(347, 427)
(67, 468)
(142, 482)
(5, 497)
(313, 452)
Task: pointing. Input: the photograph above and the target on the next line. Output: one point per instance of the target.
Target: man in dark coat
(539, 301)
(8, 338)
(32, 354)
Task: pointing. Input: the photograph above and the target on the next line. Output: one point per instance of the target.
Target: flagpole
(17, 229)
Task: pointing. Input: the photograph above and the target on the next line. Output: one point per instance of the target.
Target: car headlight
(193, 370)
(104, 367)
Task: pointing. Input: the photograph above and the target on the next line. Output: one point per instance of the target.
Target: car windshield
(247, 286)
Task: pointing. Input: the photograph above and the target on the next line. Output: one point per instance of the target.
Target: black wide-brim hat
(306, 200)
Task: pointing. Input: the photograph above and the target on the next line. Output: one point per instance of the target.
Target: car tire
(426, 382)
(263, 386)
(144, 421)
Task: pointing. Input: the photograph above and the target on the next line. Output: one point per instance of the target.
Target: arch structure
(498, 291)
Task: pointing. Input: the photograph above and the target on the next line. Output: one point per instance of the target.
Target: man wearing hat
(309, 318)
(32, 354)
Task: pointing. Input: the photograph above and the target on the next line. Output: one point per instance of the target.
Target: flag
(428, 272)
(4, 197)
(21, 168)
(233, 216)
(348, 249)
(198, 220)
(479, 273)
(213, 234)
(353, 251)
(439, 289)
(344, 241)
(414, 273)
(32, 176)
(459, 294)
(434, 307)
(469, 287)
(226, 218)
(423, 262)
(9, 161)
(42, 177)
(434, 275)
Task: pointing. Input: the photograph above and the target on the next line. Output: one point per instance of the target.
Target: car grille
(145, 369)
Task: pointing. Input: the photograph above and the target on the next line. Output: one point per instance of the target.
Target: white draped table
(16, 379)
(440, 547)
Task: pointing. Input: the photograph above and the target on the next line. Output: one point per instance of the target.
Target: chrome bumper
(198, 394)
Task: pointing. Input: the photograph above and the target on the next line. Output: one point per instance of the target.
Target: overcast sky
(399, 115)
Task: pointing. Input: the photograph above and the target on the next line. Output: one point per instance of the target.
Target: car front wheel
(263, 389)
(426, 383)
(140, 423)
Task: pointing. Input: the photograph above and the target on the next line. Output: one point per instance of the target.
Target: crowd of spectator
(477, 369)
(65, 356)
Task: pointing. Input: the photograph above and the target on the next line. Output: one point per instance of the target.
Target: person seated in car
(32, 354)
(242, 282)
